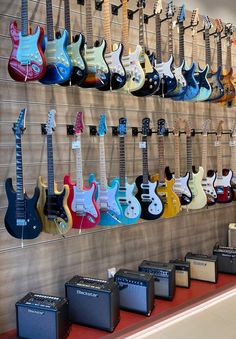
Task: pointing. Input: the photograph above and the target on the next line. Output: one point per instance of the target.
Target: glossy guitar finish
(192, 87)
(223, 188)
(208, 185)
(203, 84)
(229, 90)
(199, 198)
(181, 87)
(27, 61)
(182, 189)
(217, 88)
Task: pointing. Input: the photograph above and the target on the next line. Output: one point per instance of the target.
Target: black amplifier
(136, 291)
(182, 273)
(93, 302)
(202, 267)
(42, 316)
(164, 277)
(226, 258)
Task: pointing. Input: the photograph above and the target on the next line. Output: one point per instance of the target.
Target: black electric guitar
(151, 204)
(22, 220)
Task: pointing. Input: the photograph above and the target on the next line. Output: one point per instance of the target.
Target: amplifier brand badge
(35, 312)
(200, 263)
(88, 294)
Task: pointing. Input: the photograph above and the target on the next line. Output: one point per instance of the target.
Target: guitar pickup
(21, 222)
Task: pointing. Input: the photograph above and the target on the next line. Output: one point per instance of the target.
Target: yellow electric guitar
(52, 204)
(172, 205)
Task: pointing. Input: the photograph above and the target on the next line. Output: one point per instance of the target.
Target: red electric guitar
(81, 202)
(27, 61)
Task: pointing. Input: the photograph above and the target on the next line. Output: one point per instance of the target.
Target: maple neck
(161, 157)
(194, 46)
(125, 28)
(50, 165)
(181, 42)
(50, 32)
(219, 158)
(67, 18)
(189, 148)
(233, 154)
(19, 169)
(103, 176)
(229, 55)
(177, 157)
(207, 47)
(145, 161)
(204, 154)
(122, 161)
(79, 169)
(170, 38)
(141, 33)
(107, 25)
(158, 38)
(24, 17)
(89, 24)
(219, 50)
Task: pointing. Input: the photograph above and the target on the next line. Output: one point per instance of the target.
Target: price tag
(142, 144)
(232, 143)
(75, 144)
(217, 143)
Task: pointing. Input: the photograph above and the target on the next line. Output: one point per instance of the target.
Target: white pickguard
(208, 185)
(199, 198)
(156, 206)
(58, 46)
(224, 180)
(133, 208)
(82, 202)
(106, 199)
(94, 58)
(113, 61)
(181, 186)
(178, 73)
(27, 50)
(74, 53)
(165, 68)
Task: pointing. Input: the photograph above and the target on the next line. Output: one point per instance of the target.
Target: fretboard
(189, 154)
(194, 46)
(50, 33)
(204, 154)
(141, 34)
(19, 169)
(122, 161)
(125, 28)
(24, 17)
(89, 24)
(50, 165)
(229, 55)
(161, 157)
(107, 25)
(67, 18)
(79, 169)
(145, 161)
(103, 176)
(181, 42)
(158, 38)
(207, 48)
(219, 50)
(233, 155)
(177, 157)
(219, 159)
(170, 37)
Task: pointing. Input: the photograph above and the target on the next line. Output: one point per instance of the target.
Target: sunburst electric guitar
(52, 205)
(81, 200)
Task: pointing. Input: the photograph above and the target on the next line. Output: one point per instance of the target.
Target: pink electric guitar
(81, 202)
(27, 61)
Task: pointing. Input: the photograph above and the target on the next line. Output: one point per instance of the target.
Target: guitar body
(229, 90)
(130, 206)
(135, 77)
(59, 65)
(223, 188)
(217, 88)
(192, 88)
(98, 74)
(181, 188)
(208, 184)
(82, 205)
(152, 80)
(233, 185)
(203, 84)
(181, 82)
(33, 226)
(27, 61)
(60, 221)
(199, 198)
(172, 205)
(151, 204)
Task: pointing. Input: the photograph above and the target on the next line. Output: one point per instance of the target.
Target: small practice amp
(232, 235)
(164, 277)
(42, 316)
(136, 291)
(182, 273)
(202, 267)
(226, 258)
(93, 302)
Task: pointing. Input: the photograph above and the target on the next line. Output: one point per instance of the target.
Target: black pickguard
(54, 208)
(151, 84)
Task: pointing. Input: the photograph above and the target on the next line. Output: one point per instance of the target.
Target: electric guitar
(223, 182)
(217, 89)
(22, 220)
(135, 77)
(130, 206)
(27, 61)
(232, 145)
(165, 190)
(98, 74)
(199, 198)
(59, 65)
(208, 181)
(52, 205)
(81, 200)
(106, 196)
(75, 51)
(152, 78)
(151, 204)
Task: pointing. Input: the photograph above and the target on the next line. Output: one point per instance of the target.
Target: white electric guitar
(232, 145)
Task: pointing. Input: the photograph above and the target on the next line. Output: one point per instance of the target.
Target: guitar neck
(194, 45)
(50, 33)
(145, 161)
(103, 176)
(24, 17)
(107, 25)
(158, 38)
(204, 154)
(177, 157)
(89, 24)
(229, 54)
(50, 165)
(219, 50)
(125, 29)
(170, 37)
(219, 159)
(122, 161)
(141, 33)
(161, 153)
(181, 43)
(189, 154)
(19, 169)
(233, 155)
(67, 18)
(79, 169)
(207, 48)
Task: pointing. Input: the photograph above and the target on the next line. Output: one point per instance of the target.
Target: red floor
(130, 321)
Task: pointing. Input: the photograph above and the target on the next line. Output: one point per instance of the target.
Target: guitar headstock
(229, 30)
(145, 126)
(19, 126)
(207, 22)
(219, 130)
(219, 25)
(141, 3)
(122, 126)
(170, 10)
(161, 127)
(157, 7)
(206, 126)
(233, 134)
(195, 17)
(181, 14)
(102, 128)
(51, 124)
(187, 128)
(79, 123)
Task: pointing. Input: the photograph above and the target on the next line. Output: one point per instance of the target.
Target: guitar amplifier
(202, 267)
(136, 291)
(42, 316)
(226, 258)
(164, 277)
(232, 235)
(182, 273)
(93, 302)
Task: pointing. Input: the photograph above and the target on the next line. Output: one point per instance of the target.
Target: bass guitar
(52, 205)
(58, 61)
(151, 204)
(106, 196)
(27, 61)
(130, 205)
(81, 200)
(22, 220)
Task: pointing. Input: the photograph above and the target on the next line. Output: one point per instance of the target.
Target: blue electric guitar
(58, 62)
(106, 196)
(130, 205)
